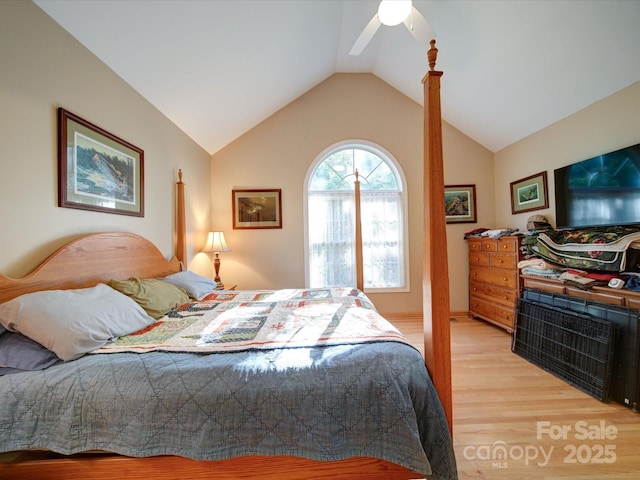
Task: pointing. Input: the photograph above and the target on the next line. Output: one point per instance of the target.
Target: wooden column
(181, 230)
(437, 339)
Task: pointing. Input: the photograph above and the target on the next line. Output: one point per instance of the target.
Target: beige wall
(278, 152)
(42, 68)
(607, 125)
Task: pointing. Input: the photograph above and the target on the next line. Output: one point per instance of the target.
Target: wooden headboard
(92, 259)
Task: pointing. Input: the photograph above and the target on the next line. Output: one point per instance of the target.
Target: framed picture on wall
(97, 170)
(257, 208)
(460, 203)
(529, 193)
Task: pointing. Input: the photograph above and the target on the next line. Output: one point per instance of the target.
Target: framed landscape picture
(460, 203)
(257, 208)
(97, 170)
(529, 193)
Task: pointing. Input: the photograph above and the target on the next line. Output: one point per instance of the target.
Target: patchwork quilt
(256, 320)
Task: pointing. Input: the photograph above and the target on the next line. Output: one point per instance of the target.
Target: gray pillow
(19, 353)
(71, 323)
(196, 285)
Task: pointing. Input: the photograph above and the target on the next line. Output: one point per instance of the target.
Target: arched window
(330, 218)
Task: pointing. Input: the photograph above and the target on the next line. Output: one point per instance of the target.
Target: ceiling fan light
(393, 12)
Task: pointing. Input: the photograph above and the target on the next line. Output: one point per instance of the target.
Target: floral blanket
(607, 248)
(248, 320)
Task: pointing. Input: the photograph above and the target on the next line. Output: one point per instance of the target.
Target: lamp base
(216, 267)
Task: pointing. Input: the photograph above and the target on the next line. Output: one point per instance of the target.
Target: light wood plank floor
(501, 400)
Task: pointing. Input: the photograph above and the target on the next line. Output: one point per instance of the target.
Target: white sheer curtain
(382, 242)
(331, 238)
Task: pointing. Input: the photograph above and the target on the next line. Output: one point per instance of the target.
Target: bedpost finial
(180, 175)
(432, 55)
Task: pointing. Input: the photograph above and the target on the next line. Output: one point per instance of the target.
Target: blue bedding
(322, 403)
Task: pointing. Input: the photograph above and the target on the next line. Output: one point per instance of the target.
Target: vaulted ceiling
(217, 68)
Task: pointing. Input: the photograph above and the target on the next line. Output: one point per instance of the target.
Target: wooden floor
(544, 428)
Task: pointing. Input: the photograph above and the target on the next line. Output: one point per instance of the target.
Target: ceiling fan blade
(419, 27)
(365, 36)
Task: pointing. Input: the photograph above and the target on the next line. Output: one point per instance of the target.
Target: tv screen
(599, 191)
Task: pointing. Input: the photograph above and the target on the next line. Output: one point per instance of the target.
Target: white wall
(42, 68)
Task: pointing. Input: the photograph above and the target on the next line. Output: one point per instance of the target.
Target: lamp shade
(393, 12)
(216, 243)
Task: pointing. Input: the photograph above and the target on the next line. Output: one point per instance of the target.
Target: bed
(344, 408)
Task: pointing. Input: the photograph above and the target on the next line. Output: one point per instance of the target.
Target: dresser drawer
(492, 293)
(475, 244)
(503, 260)
(489, 246)
(633, 303)
(490, 311)
(502, 278)
(479, 259)
(508, 245)
(545, 285)
(612, 298)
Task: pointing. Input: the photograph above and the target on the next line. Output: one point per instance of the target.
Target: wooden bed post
(181, 230)
(359, 260)
(437, 340)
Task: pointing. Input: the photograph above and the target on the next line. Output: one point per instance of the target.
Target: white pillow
(196, 285)
(71, 323)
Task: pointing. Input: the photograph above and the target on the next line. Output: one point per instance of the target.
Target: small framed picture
(460, 203)
(96, 170)
(529, 193)
(257, 208)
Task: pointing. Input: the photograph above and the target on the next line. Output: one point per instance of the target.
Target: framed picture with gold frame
(255, 208)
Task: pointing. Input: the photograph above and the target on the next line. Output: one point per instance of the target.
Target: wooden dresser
(613, 296)
(494, 280)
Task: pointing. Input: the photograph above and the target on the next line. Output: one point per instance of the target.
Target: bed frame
(99, 257)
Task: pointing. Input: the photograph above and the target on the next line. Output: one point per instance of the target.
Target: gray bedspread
(323, 403)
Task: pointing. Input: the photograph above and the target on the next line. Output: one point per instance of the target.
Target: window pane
(382, 239)
(335, 172)
(382, 178)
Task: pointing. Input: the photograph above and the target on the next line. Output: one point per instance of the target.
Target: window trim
(397, 170)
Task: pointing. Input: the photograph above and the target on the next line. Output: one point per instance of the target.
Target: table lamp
(216, 244)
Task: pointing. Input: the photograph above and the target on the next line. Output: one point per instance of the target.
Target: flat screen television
(599, 191)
